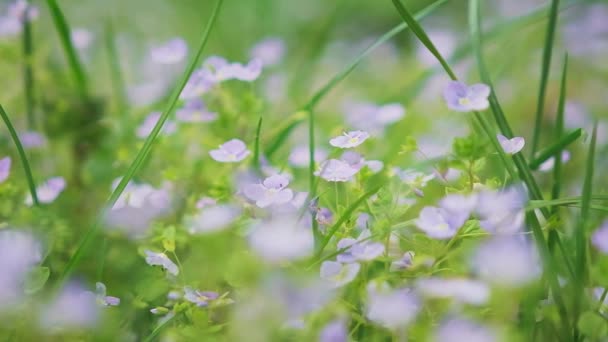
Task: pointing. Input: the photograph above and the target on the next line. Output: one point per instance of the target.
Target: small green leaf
(592, 325)
(169, 239)
(36, 279)
(410, 145)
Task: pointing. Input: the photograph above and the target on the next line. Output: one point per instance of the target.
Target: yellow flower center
(464, 101)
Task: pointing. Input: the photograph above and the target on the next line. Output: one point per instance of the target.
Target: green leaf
(169, 239)
(556, 148)
(592, 325)
(410, 145)
(36, 279)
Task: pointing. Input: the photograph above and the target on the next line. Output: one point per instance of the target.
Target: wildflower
(74, 308)
(221, 70)
(502, 212)
(511, 146)
(232, 151)
(363, 221)
(599, 239)
(22, 10)
(393, 309)
(200, 82)
(281, 239)
(32, 139)
(200, 298)
(273, 190)
(324, 216)
(354, 159)
(335, 331)
(444, 40)
(171, 52)
(205, 202)
(361, 249)
(169, 127)
(463, 98)
(405, 262)
(507, 262)
(339, 274)
(161, 259)
(439, 223)
(5, 168)
(300, 156)
(269, 51)
(548, 164)
(463, 290)
(48, 191)
(19, 252)
(102, 299)
(349, 139)
(458, 329)
(371, 117)
(415, 179)
(459, 205)
(212, 218)
(374, 166)
(334, 170)
(81, 38)
(194, 110)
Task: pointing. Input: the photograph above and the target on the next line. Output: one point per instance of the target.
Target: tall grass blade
(552, 150)
(28, 72)
(118, 83)
(559, 131)
(256, 149)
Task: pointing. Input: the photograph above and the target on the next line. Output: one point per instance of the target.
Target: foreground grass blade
(544, 77)
(146, 148)
(552, 150)
(66, 43)
(256, 149)
(118, 83)
(559, 130)
(28, 72)
(26, 165)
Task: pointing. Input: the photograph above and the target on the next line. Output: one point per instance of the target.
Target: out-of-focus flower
(548, 164)
(204, 202)
(11, 23)
(200, 82)
(273, 190)
(281, 239)
(82, 38)
(439, 223)
(349, 139)
(445, 41)
(590, 22)
(339, 274)
(599, 239)
(458, 329)
(371, 117)
(507, 261)
(74, 308)
(375, 166)
(324, 216)
(161, 259)
(270, 51)
(212, 218)
(511, 146)
(170, 52)
(232, 151)
(102, 298)
(19, 252)
(5, 168)
(300, 156)
(354, 159)
(222, 70)
(391, 308)
(405, 262)
(48, 191)
(334, 170)
(31, 139)
(361, 249)
(415, 179)
(463, 290)
(335, 331)
(195, 110)
(463, 98)
(169, 127)
(502, 212)
(200, 298)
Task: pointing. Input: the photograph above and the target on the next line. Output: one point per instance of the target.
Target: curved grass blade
(26, 165)
(256, 149)
(553, 150)
(28, 72)
(66, 43)
(559, 131)
(546, 64)
(146, 148)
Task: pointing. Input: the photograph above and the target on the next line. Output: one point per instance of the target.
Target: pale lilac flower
(222, 70)
(405, 262)
(281, 239)
(511, 146)
(300, 156)
(195, 110)
(460, 289)
(200, 298)
(548, 164)
(354, 159)
(463, 98)
(212, 219)
(374, 166)
(334, 170)
(502, 212)
(75, 307)
(459, 205)
(232, 151)
(81, 38)
(22, 10)
(270, 51)
(339, 274)
(102, 298)
(204, 202)
(507, 261)
(335, 331)
(349, 139)
(19, 252)
(363, 221)
(413, 178)
(439, 223)
(48, 191)
(161, 259)
(392, 309)
(200, 82)
(599, 239)
(170, 52)
(371, 117)
(361, 249)
(32, 139)
(273, 190)
(445, 40)
(169, 127)
(458, 329)
(10, 26)
(5, 168)
(324, 216)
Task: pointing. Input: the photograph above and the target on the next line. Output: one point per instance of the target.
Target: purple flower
(439, 223)
(339, 274)
(200, 298)
(334, 331)
(270, 51)
(232, 151)
(171, 52)
(200, 82)
(548, 164)
(273, 190)
(349, 139)
(502, 212)
(212, 218)
(48, 191)
(405, 262)
(392, 309)
(413, 178)
(457, 329)
(169, 127)
(463, 98)
(204, 202)
(221, 70)
(281, 239)
(599, 239)
(22, 10)
(300, 156)
(511, 146)
(161, 259)
(371, 117)
(334, 170)
(32, 139)
(195, 111)
(19, 252)
(361, 249)
(354, 159)
(374, 166)
(102, 299)
(75, 307)
(5, 168)
(81, 38)
(463, 290)
(324, 216)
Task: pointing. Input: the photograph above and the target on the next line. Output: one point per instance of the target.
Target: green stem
(28, 73)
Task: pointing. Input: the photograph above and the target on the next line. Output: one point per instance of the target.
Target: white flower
(349, 139)
(463, 98)
(511, 146)
(273, 190)
(161, 259)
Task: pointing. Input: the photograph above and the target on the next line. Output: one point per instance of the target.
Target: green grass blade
(559, 130)
(63, 29)
(546, 65)
(146, 148)
(118, 83)
(28, 72)
(256, 149)
(553, 150)
(26, 164)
